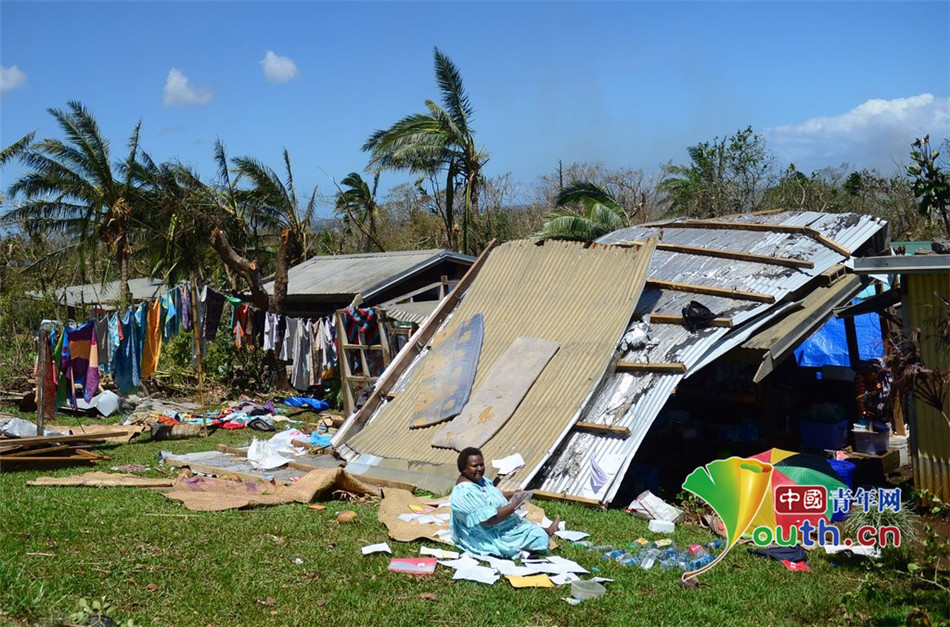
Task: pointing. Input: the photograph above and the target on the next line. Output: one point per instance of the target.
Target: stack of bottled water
(664, 552)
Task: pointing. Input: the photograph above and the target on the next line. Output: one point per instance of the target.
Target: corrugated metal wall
(932, 434)
(580, 297)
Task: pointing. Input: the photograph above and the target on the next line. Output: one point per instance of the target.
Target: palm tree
(73, 187)
(357, 204)
(601, 214)
(442, 139)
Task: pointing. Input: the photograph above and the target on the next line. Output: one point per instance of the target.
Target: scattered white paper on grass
(568, 566)
(442, 554)
(571, 600)
(481, 574)
(564, 579)
(508, 465)
(546, 522)
(571, 536)
(429, 519)
(382, 547)
(408, 517)
(599, 579)
(445, 517)
(508, 568)
(463, 562)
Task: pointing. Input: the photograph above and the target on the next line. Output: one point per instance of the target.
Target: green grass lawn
(158, 563)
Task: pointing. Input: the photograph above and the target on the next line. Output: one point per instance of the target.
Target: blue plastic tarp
(829, 346)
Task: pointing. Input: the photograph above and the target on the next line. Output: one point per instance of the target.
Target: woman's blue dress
(473, 504)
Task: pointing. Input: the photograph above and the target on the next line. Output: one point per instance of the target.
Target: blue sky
(629, 84)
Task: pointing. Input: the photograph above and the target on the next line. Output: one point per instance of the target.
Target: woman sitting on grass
(483, 517)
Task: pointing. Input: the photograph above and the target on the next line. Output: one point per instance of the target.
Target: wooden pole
(42, 369)
(194, 331)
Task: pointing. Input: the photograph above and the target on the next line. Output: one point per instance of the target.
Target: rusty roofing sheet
(580, 297)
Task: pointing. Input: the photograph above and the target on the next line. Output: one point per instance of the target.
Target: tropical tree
(930, 183)
(441, 140)
(357, 206)
(728, 175)
(600, 214)
(73, 187)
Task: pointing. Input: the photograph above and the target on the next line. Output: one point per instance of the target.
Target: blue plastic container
(823, 435)
(845, 471)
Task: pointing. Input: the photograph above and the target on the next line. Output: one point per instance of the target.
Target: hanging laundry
(316, 351)
(184, 306)
(49, 378)
(213, 308)
(362, 327)
(289, 349)
(330, 355)
(270, 330)
(170, 321)
(243, 321)
(82, 365)
(235, 303)
(257, 327)
(127, 355)
(152, 348)
(105, 344)
(303, 363)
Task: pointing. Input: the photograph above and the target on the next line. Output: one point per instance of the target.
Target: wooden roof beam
(751, 226)
(711, 291)
(632, 366)
(787, 262)
(674, 319)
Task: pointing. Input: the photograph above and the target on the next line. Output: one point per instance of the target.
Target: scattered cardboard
(205, 494)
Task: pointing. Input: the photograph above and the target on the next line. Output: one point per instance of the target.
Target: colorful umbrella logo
(735, 488)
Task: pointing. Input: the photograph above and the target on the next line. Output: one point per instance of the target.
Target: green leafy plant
(96, 612)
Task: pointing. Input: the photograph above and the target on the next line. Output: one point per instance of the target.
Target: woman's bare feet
(553, 526)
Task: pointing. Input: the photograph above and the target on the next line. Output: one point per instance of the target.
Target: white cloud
(11, 78)
(278, 69)
(876, 134)
(179, 93)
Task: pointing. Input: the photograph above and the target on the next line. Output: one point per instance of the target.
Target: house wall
(931, 432)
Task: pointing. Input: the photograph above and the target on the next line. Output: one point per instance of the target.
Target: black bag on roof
(697, 316)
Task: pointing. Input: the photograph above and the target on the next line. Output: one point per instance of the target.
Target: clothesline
(127, 344)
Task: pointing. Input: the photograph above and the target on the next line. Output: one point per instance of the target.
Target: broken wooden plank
(103, 480)
(447, 375)
(699, 251)
(602, 429)
(675, 319)
(499, 394)
(711, 291)
(43, 459)
(214, 471)
(38, 451)
(632, 366)
(91, 439)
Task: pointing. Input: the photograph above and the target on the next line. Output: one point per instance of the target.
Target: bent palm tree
(73, 187)
(601, 214)
(440, 139)
(358, 205)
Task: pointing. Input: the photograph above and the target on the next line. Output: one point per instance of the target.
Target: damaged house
(567, 353)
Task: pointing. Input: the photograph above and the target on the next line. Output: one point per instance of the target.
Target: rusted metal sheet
(448, 371)
(580, 297)
(499, 395)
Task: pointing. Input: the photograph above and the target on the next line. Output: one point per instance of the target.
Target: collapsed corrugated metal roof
(760, 255)
(334, 276)
(748, 270)
(579, 297)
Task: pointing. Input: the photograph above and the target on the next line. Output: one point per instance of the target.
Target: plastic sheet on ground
(652, 507)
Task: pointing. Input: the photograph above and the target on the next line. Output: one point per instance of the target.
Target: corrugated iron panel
(417, 312)
(580, 297)
(633, 400)
(108, 293)
(356, 274)
(931, 434)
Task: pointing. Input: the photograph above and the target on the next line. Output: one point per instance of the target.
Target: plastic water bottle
(613, 555)
(629, 561)
(716, 545)
(584, 544)
(697, 551)
(600, 549)
(647, 564)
